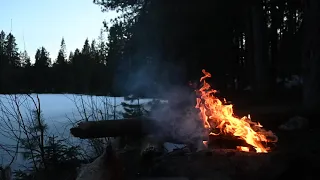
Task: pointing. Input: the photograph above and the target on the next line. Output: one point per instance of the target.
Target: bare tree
(93, 108)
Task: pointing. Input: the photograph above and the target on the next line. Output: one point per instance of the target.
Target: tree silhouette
(11, 51)
(25, 59)
(61, 59)
(41, 70)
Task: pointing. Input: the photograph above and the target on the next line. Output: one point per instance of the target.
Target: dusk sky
(44, 22)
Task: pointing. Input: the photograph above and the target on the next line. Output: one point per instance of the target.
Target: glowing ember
(242, 148)
(218, 116)
(205, 143)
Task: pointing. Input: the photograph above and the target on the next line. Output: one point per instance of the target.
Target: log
(114, 128)
(227, 142)
(140, 127)
(135, 127)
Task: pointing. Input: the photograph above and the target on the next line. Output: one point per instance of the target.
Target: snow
(60, 112)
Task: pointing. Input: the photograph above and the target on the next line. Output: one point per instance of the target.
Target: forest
(159, 44)
(253, 49)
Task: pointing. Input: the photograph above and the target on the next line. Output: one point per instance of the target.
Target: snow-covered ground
(60, 112)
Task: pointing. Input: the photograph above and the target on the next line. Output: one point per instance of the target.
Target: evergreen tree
(71, 55)
(75, 58)
(25, 59)
(42, 59)
(86, 48)
(41, 72)
(11, 51)
(62, 56)
(102, 48)
(3, 59)
(2, 47)
(48, 154)
(132, 110)
(60, 70)
(94, 53)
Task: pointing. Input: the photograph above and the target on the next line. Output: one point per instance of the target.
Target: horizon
(34, 27)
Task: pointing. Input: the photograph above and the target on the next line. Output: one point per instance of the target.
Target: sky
(37, 23)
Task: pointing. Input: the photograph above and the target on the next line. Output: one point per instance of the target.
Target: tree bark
(311, 55)
(260, 52)
(113, 128)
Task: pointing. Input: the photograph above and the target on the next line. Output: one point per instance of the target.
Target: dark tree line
(154, 44)
(83, 71)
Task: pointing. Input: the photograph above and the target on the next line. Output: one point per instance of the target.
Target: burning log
(227, 142)
(141, 127)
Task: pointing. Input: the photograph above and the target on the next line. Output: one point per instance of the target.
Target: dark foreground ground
(296, 156)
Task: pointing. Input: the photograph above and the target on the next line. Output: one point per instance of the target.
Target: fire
(218, 116)
(242, 148)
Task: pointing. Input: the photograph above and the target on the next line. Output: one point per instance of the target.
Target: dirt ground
(296, 156)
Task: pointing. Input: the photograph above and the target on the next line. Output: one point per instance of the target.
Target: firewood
(227, 142)
(113, 128)
(135, 127)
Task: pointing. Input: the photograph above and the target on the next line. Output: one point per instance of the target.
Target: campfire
(222, 128)
(219, 121)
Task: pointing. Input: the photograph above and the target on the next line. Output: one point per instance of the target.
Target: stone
(295, 123)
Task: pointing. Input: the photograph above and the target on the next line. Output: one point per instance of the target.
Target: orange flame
(217, 115)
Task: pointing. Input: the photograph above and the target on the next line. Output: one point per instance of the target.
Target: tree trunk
(311, 55)
(249, 81)
(260, 52)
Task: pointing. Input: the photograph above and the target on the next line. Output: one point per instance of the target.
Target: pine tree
(42, 59)
(41, 71)
(46, 153)
(133, 110)
(2, 47)
(71, 55)
(94, 53)
(102, 48)
(86, 48)
(25, 59)
(62, 56)
(11, 51)
(60, 68)
(75, 58)
(3, 59)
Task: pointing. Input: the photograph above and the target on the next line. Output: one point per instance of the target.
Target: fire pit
(232, 146)
(218, 118)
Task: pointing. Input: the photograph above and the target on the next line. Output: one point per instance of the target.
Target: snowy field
(60, 113)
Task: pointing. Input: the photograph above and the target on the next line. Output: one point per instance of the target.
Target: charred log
(227, 142)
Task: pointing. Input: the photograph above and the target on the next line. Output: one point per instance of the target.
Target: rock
(295, 123)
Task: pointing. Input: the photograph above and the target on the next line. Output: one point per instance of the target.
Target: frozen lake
(60, 112)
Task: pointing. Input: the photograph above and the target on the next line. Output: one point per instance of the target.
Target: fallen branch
(114, 128)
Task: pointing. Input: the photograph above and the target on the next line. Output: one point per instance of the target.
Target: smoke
(179, 120)
(148, 77)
